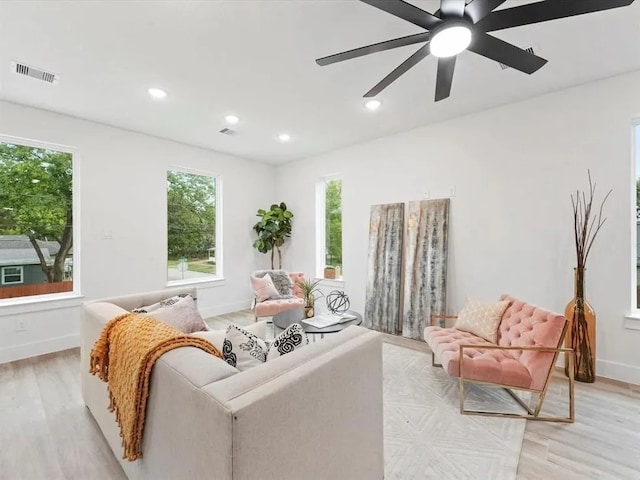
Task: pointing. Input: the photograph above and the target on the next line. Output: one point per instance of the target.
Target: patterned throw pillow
(180, 311)
(216, 337)
(481, 318)
(243, 349)
(291, 339)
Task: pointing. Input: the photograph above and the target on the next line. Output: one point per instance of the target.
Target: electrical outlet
(21, 325)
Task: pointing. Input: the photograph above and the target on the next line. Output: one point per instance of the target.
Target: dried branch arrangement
(586, 225)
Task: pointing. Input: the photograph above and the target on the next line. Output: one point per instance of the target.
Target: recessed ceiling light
(453, 38)
(157, 93)
(284, 137)
(373, 105)
(231, 119)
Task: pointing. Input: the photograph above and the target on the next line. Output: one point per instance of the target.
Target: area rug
(426, 437)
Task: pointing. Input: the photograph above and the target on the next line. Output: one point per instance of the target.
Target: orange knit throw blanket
(123, 356)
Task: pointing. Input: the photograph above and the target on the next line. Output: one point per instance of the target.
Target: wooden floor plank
(70, 423)
(28, 450)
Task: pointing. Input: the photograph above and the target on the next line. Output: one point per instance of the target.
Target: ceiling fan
(460, 26)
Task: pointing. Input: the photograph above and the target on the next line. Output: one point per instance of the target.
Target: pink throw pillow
(263, 288)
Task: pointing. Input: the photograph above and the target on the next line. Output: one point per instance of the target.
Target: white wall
(513, 169)
(123, 195)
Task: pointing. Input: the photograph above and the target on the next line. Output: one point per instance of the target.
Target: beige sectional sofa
(315, 413)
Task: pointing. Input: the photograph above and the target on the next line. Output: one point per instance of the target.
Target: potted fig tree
(273, 229)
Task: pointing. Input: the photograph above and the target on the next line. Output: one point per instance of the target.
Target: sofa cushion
(271, 307)
(263, 288)
(292, 338)
(180, 311)
(484, 365)
(481, 318)
(525, 325)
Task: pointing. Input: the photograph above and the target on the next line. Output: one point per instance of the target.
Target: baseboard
(33, 349)
(223, 309)
(618, 371)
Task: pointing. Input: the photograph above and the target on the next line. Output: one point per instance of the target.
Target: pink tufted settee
(289, 299)
(529, 342)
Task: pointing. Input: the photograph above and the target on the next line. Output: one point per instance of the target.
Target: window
(36, 219)
(193, 219)
(329, 211)
(636, 131)
(11, 275)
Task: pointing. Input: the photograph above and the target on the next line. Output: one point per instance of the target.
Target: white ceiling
(256, 59)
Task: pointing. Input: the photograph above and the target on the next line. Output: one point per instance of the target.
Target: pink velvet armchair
(529, 342)
(290, 294)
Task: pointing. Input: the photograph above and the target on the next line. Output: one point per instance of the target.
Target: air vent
(533, 50)
(228, 131)
(34, 72)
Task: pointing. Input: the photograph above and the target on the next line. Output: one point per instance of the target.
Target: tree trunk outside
(65, 245)
(43, 264)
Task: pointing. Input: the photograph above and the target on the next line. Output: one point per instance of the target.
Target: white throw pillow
(481, 318)
(242, 349)
(216, 337)
(293, 338)
(181, 312)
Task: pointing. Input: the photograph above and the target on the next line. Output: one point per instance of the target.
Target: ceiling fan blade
(407, 12)
(478, 9)
(376, 47)
(444, 77)
(503, 52)
(545, 11)
(404, 67)
(452, 8)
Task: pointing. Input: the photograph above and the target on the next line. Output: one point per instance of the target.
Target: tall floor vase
(581, 334)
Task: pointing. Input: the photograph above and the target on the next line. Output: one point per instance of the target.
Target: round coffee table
(283, 319)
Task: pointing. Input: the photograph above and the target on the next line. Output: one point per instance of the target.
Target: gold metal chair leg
(520, 401)
(433, 361)
(530, 415)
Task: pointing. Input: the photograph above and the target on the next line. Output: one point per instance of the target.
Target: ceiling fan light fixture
(451, 39)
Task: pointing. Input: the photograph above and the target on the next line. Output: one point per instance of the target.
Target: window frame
(321, 227)
(76, 292)
(218, 278)
(635, 140)
(3, 275)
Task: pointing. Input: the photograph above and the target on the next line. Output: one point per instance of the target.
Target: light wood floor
(47, 433)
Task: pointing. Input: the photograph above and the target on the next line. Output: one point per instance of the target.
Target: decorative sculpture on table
(338, 302)
(581, 334)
